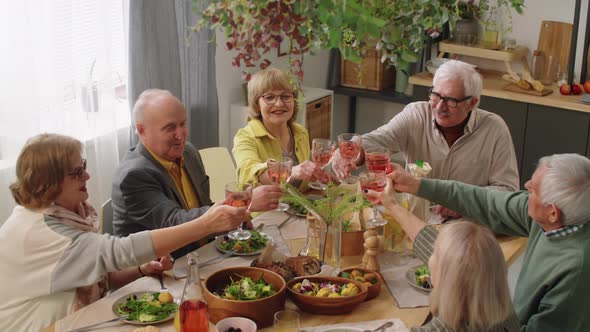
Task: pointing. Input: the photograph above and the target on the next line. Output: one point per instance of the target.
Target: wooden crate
(370, 74)
(318, 118)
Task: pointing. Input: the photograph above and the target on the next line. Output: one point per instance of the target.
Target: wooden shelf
(492, 86)
(480, 52)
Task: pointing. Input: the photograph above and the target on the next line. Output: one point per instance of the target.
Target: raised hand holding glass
(280, 171)
(375, 181)
(349, 145)
(321, 153)
(238, 195)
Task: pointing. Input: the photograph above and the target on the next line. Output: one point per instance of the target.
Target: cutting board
(555, 40)
(513, 87)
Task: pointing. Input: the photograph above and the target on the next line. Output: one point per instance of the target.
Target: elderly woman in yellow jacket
(271, 132)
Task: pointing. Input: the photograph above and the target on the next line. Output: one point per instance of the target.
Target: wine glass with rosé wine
(377, 159)
(321, 153)
(349, 145)
(239, 195)
(376, 181)
(279, 171)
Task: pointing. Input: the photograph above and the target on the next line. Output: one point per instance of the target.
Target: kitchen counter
(492, 87)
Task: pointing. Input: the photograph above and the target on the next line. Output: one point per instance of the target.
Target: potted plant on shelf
(466, 29)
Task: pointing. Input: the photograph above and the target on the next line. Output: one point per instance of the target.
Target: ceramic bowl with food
(373, 280)
(227, 297)
(326, 295)
(232, 323)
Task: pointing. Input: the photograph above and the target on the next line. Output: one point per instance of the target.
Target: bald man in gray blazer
(145, 195)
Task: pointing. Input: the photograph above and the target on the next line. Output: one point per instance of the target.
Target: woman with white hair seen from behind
(467, 269)
(470, 290)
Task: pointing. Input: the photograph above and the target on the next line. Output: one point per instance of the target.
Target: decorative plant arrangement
(399, 28)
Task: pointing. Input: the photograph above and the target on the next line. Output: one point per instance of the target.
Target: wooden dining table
(383, 306)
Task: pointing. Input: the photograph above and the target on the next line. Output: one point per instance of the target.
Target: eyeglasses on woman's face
(78, 172)
(449, 101)
(271, 99)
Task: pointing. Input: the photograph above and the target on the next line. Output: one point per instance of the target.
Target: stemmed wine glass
(377, 159)
(280, 171)
(374, 180)
(239, 195)
(321, 152)
(349, 145)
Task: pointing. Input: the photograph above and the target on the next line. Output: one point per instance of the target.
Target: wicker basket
(371, 74)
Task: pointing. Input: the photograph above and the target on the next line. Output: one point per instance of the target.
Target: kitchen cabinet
(514, 114)
(551, 130)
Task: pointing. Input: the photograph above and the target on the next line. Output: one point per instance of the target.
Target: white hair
(566, 184)
(144, 100)
(459, 70)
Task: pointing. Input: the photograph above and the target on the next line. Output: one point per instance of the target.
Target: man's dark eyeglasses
(78, 172)
(449, 101)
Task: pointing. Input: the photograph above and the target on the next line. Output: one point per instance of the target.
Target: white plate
(219, 239)
(411, 279)
(123, 299)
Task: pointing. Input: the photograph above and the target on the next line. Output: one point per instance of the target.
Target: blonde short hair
(268, 80)
(471, 288)
(41, 168)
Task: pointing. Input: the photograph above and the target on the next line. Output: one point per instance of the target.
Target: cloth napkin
(398, 326)
(394, 275)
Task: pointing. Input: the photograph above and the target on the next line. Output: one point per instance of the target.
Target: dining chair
(220, 168)
(106, 217)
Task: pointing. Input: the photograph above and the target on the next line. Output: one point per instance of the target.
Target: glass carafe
(194, 315)
(490, 32)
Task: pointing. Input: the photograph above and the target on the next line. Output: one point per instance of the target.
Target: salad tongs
(93, 326)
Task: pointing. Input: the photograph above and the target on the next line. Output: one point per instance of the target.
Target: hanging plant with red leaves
(254, 28)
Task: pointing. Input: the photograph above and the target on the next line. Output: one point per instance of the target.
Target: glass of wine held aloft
(349, 145)
(321, 153)
(239, 195)
(375, 181)
(377, 159)
(279, 171)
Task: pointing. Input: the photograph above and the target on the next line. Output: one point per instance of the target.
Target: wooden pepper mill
(371, 245)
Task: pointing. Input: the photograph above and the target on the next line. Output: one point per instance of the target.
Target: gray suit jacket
(144, 196)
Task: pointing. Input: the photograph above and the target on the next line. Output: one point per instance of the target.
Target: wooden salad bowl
(373, 289)
(327, 305)
(261, 311)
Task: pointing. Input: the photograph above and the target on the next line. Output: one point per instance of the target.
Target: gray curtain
(164, 54)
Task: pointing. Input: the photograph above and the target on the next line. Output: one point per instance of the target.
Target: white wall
(372, 113)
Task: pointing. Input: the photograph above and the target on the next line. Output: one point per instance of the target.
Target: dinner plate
(294, 212)
(219, 239)
(123, 299)
(411, 279)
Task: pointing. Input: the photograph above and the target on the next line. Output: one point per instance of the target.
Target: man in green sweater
(553, 288)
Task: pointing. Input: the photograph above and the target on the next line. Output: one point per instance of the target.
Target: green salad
(257, 241)
(297, 208)
(146, 308)
(423, 277)
(246, 289)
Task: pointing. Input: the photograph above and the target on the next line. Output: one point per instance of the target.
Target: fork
(163, 289)
(217, 259)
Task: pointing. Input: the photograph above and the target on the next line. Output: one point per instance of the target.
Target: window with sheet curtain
(63, 69)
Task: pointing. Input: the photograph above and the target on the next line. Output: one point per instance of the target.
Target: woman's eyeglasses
(78, 172)
(449, 101)
(272, 99)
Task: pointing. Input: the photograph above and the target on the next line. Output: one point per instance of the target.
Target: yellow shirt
(181, 180)
(254, 145)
